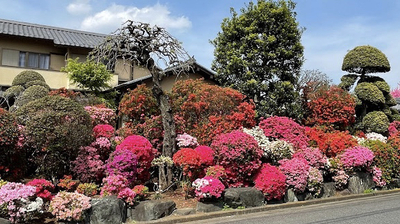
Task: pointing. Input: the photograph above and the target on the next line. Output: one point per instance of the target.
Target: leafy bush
(239, 154)
(30, 94)
(313, 156)
(357, 158)
(208, 187)
(27, 76)
(9, 154)
(142, 192)
(297, 172)
(284, 128)
(67, 184)
(37, 83)
(376, 121)
(144, 151)
(206, 155)
(13, 91)
(100, 114)
(189, 160)
(216, 171)
(87, 189)
(370, 93)
(43, 188)
(123, 162)
(88, 166)
(67, 206)
(56, 127)
(271, 181)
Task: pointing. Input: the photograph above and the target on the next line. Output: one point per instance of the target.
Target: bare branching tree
(154, 48)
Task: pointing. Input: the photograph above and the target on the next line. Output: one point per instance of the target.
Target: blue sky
(333, 27)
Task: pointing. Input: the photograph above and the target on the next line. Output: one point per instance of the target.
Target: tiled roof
(60, 36)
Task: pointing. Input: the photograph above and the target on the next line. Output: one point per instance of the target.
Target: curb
(218, 214)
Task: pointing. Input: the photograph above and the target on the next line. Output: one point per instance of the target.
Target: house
(45, 49)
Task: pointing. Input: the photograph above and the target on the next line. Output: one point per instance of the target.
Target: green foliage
(56, 127)
(370, 93)
(260, 54)
(37, 83)
(88, 75)
(13, 91)
(390, 101)
(365, 59)
(382, 86)
(376, 121)
(347, 81)
(27, 76)
(32, 93)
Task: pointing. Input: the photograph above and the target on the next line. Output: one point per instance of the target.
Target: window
(25, 59)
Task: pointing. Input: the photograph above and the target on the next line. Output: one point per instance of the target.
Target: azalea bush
(216, 171)
(271, 181)
(88, 189)
(189, 160)
(297, 172)
(127, 195)
(113, 184)
(100, 114)
(208, 187)
(43, 188)
(69, 206)
(123, 162)
(186, 140)
(278, 150)
(67, 183)
(340, 179)
(284, 128)
(394, 127)
(314, 157)
(357, 158)
(142, 192)
(103, 130)
(88, 166)
(263, 141)
(376, 136)
(239, 154)
(206, 155)
(314, 181)
(377, 177)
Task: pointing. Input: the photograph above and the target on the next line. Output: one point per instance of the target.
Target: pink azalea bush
(239, 154)
(396, 92)
(128, 195)
(377, 177)
(314, 157)
(43, 188)
(122, 162)
(69, 206)
(285, 128)
(113, 184)
(297, 172)
(271, 181)
(357, 158)
(101, 114)
(103, 130)
(206, 155)
(208, 187)
(340, 179)
(144, 151)
(186, 140)
(394, 127)
(314, 181)
(88, 166)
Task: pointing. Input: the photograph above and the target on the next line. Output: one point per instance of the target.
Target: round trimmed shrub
(206, 155)
(27, 76)
(123, 162)
(382, 86)
(369, 92)
(239, 154)
(365, 59)
(32, 93)
(13, 91)
(37, 83)
(297, 172)
(189, 160)
(376, 121)
(271, 181)
(357, 158)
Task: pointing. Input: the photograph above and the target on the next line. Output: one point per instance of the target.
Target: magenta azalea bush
(239, 154)
(297, 172)
(271, 181)
(357, 158)
(128, 195)
(113, 184)
(103, 130)
(43, 188)
(123, 162)
(69, 206)
(88, 166)
(206, 155)
(208, 187)
(314, 157)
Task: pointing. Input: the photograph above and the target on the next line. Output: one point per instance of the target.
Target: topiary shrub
(27, 76)
(347, 81)
(239, 154)
(364, 60)
(382, 86)
(376, 121)
(271, 181)
(369, 92)
(56, 127)
(37, 83)
(30, 94)
(13, 91)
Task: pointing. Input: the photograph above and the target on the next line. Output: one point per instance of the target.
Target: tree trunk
(165, 178)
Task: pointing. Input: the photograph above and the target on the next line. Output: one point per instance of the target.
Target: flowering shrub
(9, 134)
(113, 184)
(208, 187)
(340, 179)
(128, 195)
(88, 166)
(188, 159)
(284, 128)
(217, 172)
(142, 192)
(64, 93)
(278, 150)
(68, 206)
(314, 181)
(376, 136)
(68, 184)
(88, 189)
(103, 130)
(206, 155)
(357, 158)
(122, 162)
(331, 144)
(262, 140)
(396, 92)
(186, 140)
(313, 156)
(101, 115)
(43, 188)
(271, 181)
(377, 177)
(16, 197)
(297, 172)
(394, 127)
(103, 146)
(333, 107)
(144, 151)
(239, 154)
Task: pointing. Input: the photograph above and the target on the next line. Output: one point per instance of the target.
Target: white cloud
(111, 18)
(79, 7)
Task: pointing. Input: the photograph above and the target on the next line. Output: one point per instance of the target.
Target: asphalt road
(378, 209)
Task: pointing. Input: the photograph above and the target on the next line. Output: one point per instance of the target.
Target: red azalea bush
(43, 188)
(88, 166)
(271, 181)
(100, 114)
(189, 160)
(239, 154)
(331, 144)
(64, 93)
(286, 129)
(122, 162)
(297, 172)
(67, 184)
(206, 155)
(142, 192)
(314, 157)
(357, 158)
(103, 130)
(144, 151)
(332, 107)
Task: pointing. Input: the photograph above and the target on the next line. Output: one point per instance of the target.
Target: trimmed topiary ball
(369, 92)
(32, 93)
(382, 86)
(364, 60)
(37, 83)
(27, 76)
(13, 91)
(376, 121)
